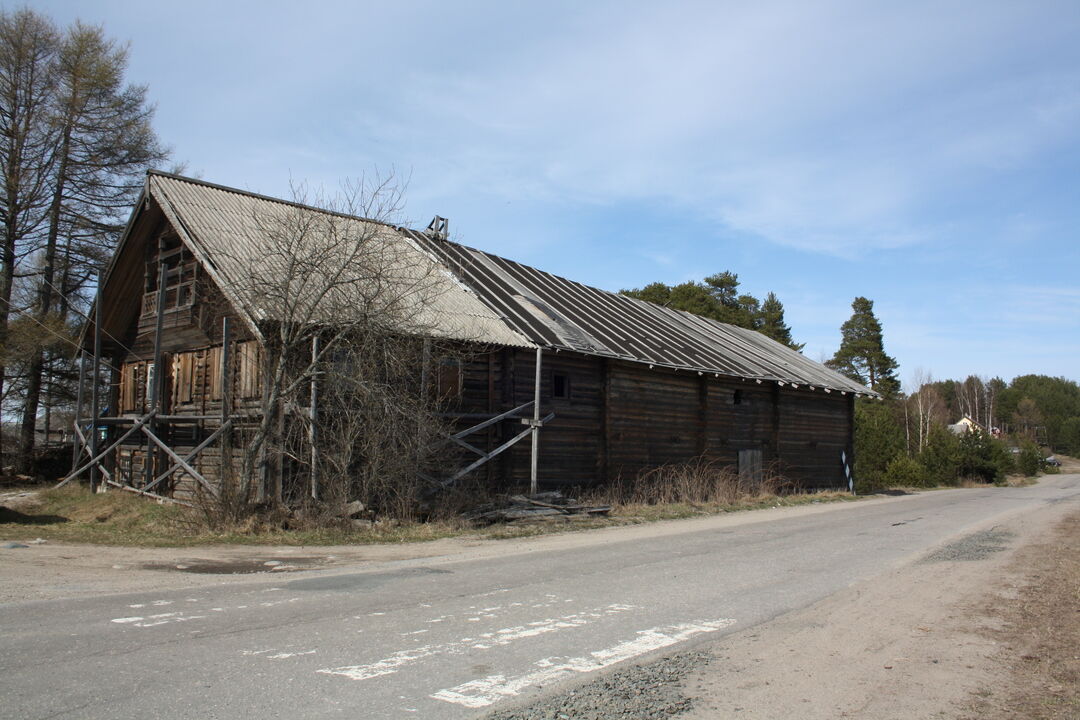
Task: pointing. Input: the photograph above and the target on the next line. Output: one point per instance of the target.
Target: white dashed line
(505, 636)
(488, 690)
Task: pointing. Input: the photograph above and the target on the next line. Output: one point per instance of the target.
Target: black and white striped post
(847, 472)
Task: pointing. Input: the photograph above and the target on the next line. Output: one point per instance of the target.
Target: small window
(560, 386)
(736, 397)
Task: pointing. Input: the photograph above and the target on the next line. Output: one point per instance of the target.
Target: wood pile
(542, 506)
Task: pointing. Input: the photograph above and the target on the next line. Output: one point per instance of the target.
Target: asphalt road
(454, 638)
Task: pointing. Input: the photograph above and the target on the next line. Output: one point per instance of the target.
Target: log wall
(619, 419)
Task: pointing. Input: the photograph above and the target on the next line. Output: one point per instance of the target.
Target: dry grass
(699, 481)
(1040, 634)
(72, 514)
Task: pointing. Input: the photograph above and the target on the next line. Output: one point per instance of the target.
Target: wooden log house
(606, 386)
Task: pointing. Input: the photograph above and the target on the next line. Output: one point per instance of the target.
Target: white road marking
(486, 691)
(282, 656)
(155, 620)
(505, 636)
(180, 616)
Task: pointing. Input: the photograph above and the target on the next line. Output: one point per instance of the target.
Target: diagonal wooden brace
(191, 455)
(180, 461)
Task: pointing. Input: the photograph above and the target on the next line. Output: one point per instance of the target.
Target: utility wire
(69, 341)
(89, 319)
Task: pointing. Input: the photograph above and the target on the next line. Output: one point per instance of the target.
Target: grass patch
(73, 514)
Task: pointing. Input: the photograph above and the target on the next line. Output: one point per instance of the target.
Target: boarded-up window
(249, 355)
(449, 379)
(183, 377)
(129, 387)
(213, 372)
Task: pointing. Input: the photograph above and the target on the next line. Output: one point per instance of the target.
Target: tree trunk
(24, 461)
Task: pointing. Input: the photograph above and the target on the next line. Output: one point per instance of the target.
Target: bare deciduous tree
(928, 407)
(345, 304)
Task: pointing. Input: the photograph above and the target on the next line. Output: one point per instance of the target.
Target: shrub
(879, 438)
(941, 457)
(979, 458)
(903, 471)
(1029, 461)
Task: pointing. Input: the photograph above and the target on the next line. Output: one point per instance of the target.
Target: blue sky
(923, 154)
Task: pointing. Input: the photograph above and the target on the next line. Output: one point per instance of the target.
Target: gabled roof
(489, 299)
(226, 229)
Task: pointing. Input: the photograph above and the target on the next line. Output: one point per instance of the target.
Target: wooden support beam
(95, 387)
(534, 483)
(154, 401)
(472, 466)
(137, 491)
(467, 446)
(80, 443)
(95, 458)
(193, 453)
(179, 460)
(493, 420)
(225, 466)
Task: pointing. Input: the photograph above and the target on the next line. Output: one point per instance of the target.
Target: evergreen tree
(718, 298)
(861, 355)
(772, 322)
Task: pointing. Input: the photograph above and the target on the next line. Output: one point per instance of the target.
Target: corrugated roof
(483, 297)
(231, 231)
(559, 313)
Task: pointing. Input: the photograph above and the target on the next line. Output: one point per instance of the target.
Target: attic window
(736, 397)
(560, 386)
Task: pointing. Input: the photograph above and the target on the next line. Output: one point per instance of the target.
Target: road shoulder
(937, 638)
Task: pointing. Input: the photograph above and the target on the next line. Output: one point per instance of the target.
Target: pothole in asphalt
(977, 546)
(237, 567)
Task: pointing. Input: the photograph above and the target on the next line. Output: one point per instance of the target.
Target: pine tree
(861, 355)
(772, 322)
(717, 297)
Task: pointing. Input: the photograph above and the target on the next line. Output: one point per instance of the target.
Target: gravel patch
(647, 692)
(976, 546)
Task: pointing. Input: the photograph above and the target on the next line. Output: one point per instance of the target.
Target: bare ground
(987, 627)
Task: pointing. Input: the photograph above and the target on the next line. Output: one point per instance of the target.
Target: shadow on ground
(14, 517)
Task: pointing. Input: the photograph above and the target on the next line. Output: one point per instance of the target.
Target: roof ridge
(269, 198)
